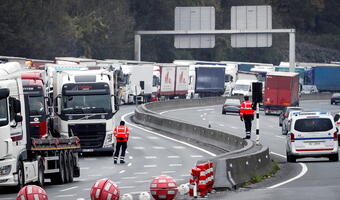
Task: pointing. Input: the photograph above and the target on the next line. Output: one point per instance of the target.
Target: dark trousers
(247, 123)
(119, 145)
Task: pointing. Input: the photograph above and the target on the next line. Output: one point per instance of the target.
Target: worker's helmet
(32, 192)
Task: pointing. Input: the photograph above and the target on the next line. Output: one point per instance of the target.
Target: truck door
(5, 134)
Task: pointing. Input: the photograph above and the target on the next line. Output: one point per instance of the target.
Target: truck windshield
(3, 112)
(37, 105)
(242, 87)
(87, 104)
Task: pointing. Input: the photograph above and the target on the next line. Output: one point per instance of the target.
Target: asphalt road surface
(149, 155)
(313, 179)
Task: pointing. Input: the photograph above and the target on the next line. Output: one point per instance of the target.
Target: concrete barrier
(242, 160)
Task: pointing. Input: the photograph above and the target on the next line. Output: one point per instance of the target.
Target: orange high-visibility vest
(121, 133)
(246, 108)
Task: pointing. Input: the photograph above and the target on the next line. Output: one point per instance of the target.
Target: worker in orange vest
(122, 134)
(247, 115)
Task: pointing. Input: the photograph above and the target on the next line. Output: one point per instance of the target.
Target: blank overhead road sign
(194, 19)
(251, 18)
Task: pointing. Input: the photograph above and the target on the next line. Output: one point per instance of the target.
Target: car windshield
(313, 125)
(232, 102)
(36, 105)
(242, 87)
(86, 104)
(336, 95)
(3, 112)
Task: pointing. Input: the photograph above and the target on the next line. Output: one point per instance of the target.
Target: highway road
(313, 179)
(149, 155)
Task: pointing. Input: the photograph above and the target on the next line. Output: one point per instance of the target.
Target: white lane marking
(203, 119)
(136, 137)
(138, 148)
(304, 170)
(233, 127)
(282, 137)
(87, 189)
(193, 108)
(130, 157)
(126, 187)
(129, 177)
(66, 195)
(140, 173)
(144, 181)
(150, 157)
(153, 138)
(221, 125)
(178, 147)
(175, 165)
(169, 138)
(129, 165)
(168, 172)
(67, 189)
(157, 147)
(84, 168)
(94, 175)
(173, 156)
(196, 156)
(150, 166)
(122, 171)
(208, 109)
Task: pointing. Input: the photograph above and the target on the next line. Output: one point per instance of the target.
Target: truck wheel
(21, 175)
(67, 167)
(59, 178)
(290, 158)
(71, 167)
(334, 158)
(41, 175)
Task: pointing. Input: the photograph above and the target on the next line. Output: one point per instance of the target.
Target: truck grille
(91, 135)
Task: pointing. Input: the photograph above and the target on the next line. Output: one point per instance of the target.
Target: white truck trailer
(84, 105)
(24, 159)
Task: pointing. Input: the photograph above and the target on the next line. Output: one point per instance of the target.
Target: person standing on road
(247, 115)
(122, 134)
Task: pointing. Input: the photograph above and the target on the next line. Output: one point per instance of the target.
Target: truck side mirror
(17, 106)
(4, 93)
(18, 118)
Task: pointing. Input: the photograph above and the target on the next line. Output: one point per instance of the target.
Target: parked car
(286, 112)
(312, 134)
(231, 105)
(335, 99)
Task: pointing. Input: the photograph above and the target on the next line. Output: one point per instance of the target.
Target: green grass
(257, 179)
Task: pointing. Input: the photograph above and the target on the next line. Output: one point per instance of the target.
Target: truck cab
(34, 89)
(243, 87)
(84, 106)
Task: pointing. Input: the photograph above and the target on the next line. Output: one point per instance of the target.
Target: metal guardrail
(243, 159)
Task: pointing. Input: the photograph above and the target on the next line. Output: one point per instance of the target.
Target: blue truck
(210, 81)
(325, 78)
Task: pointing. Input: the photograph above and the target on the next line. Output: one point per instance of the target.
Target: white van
(312, 134)
(243, 87)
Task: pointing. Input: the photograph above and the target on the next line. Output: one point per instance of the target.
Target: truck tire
(334, 157)
(21, 175)
(290, 158)
(71, 167)
(67, 167)
(59, 177)
(41, 176)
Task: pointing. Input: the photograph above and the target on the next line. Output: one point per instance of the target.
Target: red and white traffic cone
(202, 181)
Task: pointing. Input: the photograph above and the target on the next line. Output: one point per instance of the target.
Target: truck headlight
(5, 170)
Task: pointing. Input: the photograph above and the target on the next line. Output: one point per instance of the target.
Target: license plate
(87, 150)
(314, 143)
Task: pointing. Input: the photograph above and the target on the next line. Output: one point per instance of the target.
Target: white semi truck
(136, 83)
(24, 159)
(84, 105)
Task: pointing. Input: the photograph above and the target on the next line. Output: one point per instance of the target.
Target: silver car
(231, 105)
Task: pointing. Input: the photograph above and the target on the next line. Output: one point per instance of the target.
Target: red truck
(33, 86)
(281, 90)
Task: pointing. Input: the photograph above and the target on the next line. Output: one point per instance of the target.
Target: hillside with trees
(103, 29)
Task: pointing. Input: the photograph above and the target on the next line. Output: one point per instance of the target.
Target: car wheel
(331, 102)
(290, 158)
(334, 157)
(223, 112)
